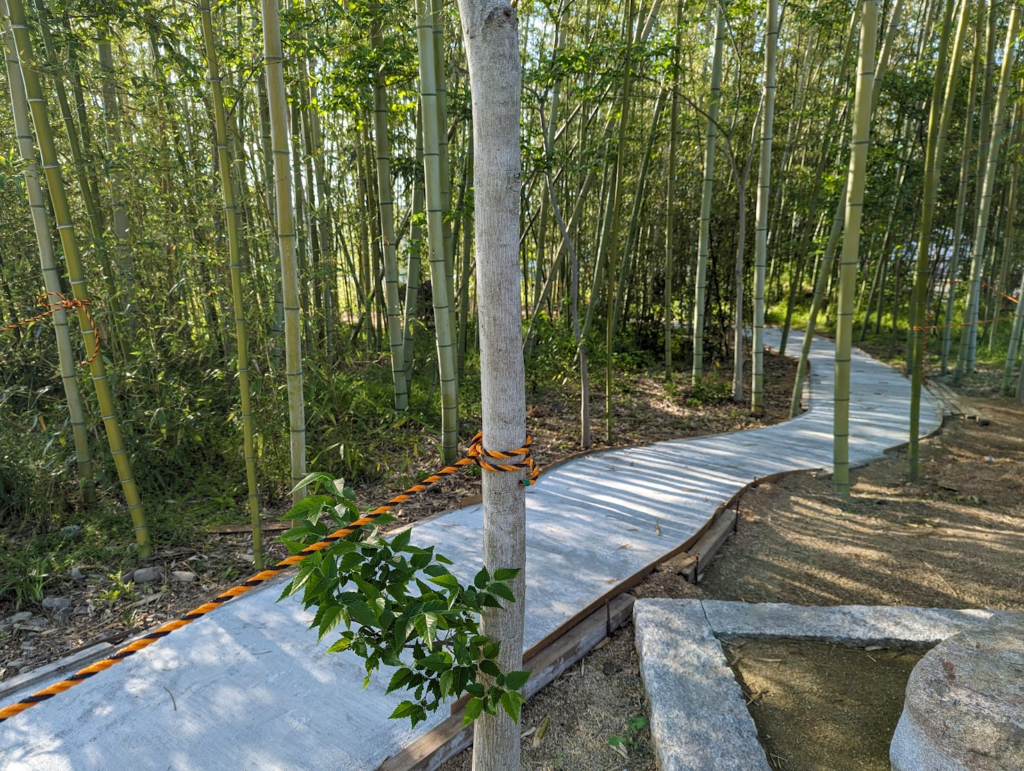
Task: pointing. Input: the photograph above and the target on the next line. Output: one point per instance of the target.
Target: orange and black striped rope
(476, 455)
(63, 304)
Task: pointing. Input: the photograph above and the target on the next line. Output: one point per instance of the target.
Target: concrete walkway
(247, 687)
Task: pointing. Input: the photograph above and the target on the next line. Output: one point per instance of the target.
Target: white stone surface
(845, 624)
(699, 721)
(248, 686)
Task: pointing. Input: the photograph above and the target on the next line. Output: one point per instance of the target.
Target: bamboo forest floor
(951, 540)
(249, 680)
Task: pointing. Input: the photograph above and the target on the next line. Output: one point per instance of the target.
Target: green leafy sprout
(400, 607)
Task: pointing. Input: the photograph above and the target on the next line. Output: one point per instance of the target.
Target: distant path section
(248, 687)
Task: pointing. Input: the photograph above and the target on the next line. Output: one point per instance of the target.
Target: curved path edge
(248, 687)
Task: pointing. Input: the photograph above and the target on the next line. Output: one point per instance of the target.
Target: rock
(35, 624)
(148, 575)
(71, 531)
(15, 663)
(56, 603)
(63, 616)
(183, 576)
(18, 618)
(77, 575)
(965, 704)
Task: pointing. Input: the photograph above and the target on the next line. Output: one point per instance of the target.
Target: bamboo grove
(268, 212)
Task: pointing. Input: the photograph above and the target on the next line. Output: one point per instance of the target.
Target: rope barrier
(989, 286)
(64, 304)
(476, 455)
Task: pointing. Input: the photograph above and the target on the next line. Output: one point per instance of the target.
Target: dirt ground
(814, 703)
(104, 608)
(953, 539)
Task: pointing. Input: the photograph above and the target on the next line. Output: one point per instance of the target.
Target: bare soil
(820, 706)
(105, 609)
(952, 539)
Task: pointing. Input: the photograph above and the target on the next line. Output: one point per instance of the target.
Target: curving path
(247, 687)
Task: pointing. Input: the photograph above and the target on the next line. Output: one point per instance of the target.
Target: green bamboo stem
(968, 337)
(613, 240)
(961, 199)
(277, 105)
(435, 235)
(851, 244)
(704, 237)
(385, 206)
(76, 273)
(670, 191)
(51, 274)
(938, 115)
(761, 212)
(235, 268)
(414, 250)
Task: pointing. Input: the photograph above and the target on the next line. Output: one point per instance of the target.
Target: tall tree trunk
(387, 222)
(851, 244)
(613, 235)
(279, 137)
(761, 216)
(235, 269)
(490, 29)
(435, 235)
(968, 338)
(670, 192)
(704, 238)
(51, 274)
(938, 118)
(76, 273)
(961, 199)
(112, 141)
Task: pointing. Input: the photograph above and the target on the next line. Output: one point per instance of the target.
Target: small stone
(148, 575)
(63, 616)
(36, 624)
(77, 575)
(82, 610)
(183, 576)
(56, 603)
(71, 531)
(27, 646)
(6, 627)
(15, 663)
(18, 618)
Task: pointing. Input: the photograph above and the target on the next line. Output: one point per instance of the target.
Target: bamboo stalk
(435, 236)
(51, 274)
(76, 273)
(235, 269)
(851, 244)
(279, 136)
(761, 213)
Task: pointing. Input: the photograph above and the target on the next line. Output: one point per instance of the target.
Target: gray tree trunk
(491, 32)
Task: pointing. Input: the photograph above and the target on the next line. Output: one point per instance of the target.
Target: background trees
(639, 125)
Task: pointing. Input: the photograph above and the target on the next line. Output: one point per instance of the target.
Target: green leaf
(341, 645)
(512, 703)
(316, 476)
(474, 707)
(400, 541)
(502, 590)
(361, 613)
(400, 678)
(516, 680)
(506, 574)
(481, 579)
(404, 709)
(446, 580)
(489, 667)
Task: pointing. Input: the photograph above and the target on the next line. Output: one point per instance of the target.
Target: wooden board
(450, 738)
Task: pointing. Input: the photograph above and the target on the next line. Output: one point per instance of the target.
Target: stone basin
(964, 706)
